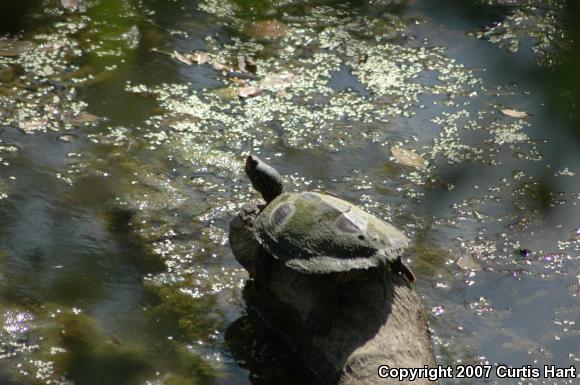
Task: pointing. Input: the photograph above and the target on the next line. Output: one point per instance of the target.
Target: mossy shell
(317, 233)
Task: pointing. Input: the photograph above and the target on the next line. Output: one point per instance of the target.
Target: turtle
(318, 233)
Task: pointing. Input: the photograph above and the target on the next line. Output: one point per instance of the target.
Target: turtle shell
(317, 233)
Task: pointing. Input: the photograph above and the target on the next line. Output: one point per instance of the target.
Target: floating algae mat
(123, 129)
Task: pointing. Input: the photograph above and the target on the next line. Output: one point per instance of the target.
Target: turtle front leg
(262, 269)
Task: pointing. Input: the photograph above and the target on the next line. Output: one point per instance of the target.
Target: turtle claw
(404, 270)
(398, 267)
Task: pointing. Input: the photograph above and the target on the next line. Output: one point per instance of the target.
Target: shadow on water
(15, 15)
(267, 358)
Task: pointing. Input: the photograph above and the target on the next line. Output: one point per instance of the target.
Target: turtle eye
(282, 214)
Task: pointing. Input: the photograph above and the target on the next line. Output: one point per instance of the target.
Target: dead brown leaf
(279, 81)
(199, 57)
(82, 118)
(408, 157)
(514, 113)
(248, 92)
(185, 59)
(219, 67)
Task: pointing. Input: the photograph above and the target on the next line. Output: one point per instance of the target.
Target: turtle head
(265, 179)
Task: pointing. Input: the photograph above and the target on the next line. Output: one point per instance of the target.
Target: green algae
(173, 308)
(88, 358)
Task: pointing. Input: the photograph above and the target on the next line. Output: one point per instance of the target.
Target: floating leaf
(199, 57)
(408, 157)
(248, 92)
(182, 58)
(82, 118)
(219, 66)
(267, 30)
(275, 82)
(513, 113)
(467, 262)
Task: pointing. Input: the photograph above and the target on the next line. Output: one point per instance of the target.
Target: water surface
(121, 169)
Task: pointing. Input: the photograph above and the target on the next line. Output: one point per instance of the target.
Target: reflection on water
(121, 168)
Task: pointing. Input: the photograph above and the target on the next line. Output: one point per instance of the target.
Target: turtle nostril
(361, 237)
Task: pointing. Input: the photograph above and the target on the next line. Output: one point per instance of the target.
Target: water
(115, 267)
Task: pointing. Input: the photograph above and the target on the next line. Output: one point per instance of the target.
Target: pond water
(121, 167)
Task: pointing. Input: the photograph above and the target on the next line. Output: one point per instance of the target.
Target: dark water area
(121, 167)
